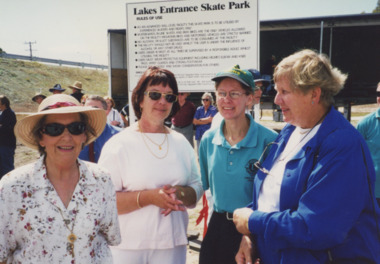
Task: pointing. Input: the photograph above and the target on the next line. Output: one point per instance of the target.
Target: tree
(2, 51)
(377, 9)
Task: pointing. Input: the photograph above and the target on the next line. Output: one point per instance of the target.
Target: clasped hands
(170, 201)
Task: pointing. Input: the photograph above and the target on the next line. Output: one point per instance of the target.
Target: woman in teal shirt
(227, 155)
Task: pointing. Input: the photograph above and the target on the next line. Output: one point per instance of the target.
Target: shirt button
(231, 152)
(231, 163)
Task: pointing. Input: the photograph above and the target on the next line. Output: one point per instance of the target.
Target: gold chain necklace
(72, 237)
(159, 145)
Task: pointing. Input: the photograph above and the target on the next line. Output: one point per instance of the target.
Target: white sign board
(193, 39)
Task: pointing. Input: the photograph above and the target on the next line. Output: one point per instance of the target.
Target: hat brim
(60, 90)
(96, 119)
(74, 87)
(263, 81)
(39, 95)
(233, 76)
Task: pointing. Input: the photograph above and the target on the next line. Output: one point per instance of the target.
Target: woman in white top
(155, 174)
(113, 116)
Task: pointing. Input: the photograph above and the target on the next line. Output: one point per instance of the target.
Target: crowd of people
(107, 190)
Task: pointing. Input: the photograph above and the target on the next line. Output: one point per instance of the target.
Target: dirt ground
(26, 155)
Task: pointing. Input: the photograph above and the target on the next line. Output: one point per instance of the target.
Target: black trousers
(221, 242)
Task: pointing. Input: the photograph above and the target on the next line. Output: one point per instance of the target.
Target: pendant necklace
(72, 237)
(143, 135)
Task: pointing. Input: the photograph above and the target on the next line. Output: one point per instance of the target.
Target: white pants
(175, 255)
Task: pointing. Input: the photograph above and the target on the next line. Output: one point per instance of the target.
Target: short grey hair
(209, 95)
(99, 99)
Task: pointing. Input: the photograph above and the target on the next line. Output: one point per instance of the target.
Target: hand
(246, 251)
(241, 217)
(115, 123)
(173, 203)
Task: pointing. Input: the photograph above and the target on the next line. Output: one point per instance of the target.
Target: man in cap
(77, 90)
(57, 89)
(38, 97)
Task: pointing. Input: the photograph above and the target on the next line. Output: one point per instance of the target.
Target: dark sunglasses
(378, 94)
(205, 100)
(56, 129)
(170, 98)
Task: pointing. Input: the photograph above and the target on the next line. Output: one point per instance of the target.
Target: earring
(312, 102)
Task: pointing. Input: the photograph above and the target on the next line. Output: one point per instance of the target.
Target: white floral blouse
(32, 226)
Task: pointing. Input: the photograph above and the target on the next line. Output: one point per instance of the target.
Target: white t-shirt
(133, 167)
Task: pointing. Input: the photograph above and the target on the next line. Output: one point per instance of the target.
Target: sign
(193, 39)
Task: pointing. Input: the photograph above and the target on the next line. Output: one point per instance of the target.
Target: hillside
(20, 80)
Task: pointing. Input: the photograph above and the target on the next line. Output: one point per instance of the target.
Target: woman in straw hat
(58, 209)
(155, 172)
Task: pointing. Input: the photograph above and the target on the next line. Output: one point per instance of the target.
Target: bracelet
(138, 200)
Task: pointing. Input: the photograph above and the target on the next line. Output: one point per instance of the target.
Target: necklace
(283, 155)
(143, 135)
(72, 237)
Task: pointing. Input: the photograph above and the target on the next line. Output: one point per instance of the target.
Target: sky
(76, 30)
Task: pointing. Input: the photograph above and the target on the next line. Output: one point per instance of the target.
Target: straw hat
(76, 85)
(59, 104)
(38, 95)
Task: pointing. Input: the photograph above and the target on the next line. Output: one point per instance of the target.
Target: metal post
(321, 38)
(331, 42)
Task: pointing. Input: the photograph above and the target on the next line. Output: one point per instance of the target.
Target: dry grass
(20, 80)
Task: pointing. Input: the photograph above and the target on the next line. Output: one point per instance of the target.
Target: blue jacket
(325, 203)
(107, 133)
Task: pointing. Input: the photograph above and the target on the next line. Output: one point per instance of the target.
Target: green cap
(243, 76)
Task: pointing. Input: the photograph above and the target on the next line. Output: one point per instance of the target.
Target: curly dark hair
(154, 76)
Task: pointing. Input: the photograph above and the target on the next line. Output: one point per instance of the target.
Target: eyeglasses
(170, 98)
(232, 94)
(378, 94)
(257, 164)
(205, 100)
(56, 129)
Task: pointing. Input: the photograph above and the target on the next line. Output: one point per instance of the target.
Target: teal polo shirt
(228, 170)
(369, 127)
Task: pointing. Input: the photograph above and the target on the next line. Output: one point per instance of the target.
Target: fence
(60, 62)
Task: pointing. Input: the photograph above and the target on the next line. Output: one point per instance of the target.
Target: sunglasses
(259, 87)
(170, 98)
(205, 100)
(378, 94)
(56, 129)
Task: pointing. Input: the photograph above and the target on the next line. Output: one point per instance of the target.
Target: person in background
(91, 152)
(83, 100)
(226, 157)
(113, 116)
(267, 71)
(369, 127)
(155, 173)
(38, 97)
(57, 89)
(58, 209)
(77, 90)
(313, 196)
(7, 137)
(125, 115)
(203, 116)
(182, 122)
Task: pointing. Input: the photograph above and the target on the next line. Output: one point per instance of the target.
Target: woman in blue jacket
(313, 197)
